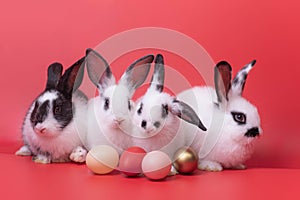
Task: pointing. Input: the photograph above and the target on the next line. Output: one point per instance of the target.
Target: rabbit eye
(57, 110)
(139, 111)
(240, 118)
(106, 103)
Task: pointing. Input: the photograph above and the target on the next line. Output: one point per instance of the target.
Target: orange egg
(102, 159)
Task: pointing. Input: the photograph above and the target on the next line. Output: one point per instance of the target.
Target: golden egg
(185, 160)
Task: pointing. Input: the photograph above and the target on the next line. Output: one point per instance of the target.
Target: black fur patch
(139, 111)
(253, 132)
(106, 103)
(63, 111)
(159, 88)
(129, 105)
(157, 124)
(39, 113)
(144, 124)
(165, 110)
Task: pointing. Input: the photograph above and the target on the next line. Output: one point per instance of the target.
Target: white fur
(111, 125)
(224, 143)
(60, 143)
(104, 126)
(164, 138)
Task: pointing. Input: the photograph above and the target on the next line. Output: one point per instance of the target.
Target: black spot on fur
(144, 124)
(240, 80)
(157, 124)
(39, 113)
(129, 105)
(253, 132)
(159, 87)
(62, 111)
(139, 111)
(235, 81)
(106, 103)
(165, 110)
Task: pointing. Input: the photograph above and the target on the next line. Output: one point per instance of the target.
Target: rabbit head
(157, 110)
(116, 106)
(241, 120)
(53, 109)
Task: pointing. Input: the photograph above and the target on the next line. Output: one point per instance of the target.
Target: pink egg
(156, 165)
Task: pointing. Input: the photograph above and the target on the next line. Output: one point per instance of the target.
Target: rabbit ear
(136, 73)
(239, 80)
(185, 112)
(98, 70)
(222, 80)
(72, 78)
(54, 74)
(157, 81)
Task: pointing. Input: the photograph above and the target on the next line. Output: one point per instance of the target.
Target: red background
(36, 33)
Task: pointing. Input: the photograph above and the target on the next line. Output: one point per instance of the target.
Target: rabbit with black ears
(233, 122)
(109, 114)
(158, 115)
(54, 123)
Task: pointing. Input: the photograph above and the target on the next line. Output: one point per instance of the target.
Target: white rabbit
(158, 116)
(233, 122)
(109, 114)
(54, 122)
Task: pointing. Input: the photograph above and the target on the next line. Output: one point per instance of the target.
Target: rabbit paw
(78, 154)
(173, 171)
(23, 151)
(41, 159)
(60, 160)
(239, 167)
(207, 165)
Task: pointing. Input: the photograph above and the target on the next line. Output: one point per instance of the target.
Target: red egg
(130, 162)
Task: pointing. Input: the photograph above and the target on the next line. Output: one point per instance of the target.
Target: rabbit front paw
(207, 165)
(24, 151)
(239, 167)
(78, 155)
(173, 171)
(41, 159)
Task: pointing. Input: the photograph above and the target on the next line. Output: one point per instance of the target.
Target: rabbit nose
(253, 132)
(40, 129)
(144, 124)
(118, 119)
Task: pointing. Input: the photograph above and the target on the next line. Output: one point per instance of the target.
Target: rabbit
(109, 114)
(233, 122)
(158, 115)
(52, 124)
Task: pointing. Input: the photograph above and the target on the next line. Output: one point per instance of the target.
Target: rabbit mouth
(253, 132)
(117, 122)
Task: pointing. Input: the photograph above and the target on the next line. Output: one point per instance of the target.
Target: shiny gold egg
(185, 160)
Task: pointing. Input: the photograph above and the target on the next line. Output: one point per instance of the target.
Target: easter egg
(131, 161)
(102, 159)
(156, 165)
(186, 160)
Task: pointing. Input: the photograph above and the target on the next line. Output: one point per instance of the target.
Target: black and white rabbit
(233, 122)
(109, 114)
(55, 121)
(158, 116)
